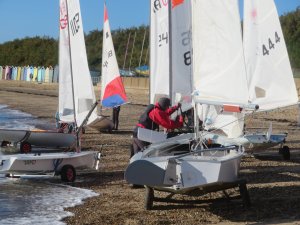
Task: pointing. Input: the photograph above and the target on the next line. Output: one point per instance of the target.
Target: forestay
(218, 64)
(112, 88)
(271, 83)
(75, 84)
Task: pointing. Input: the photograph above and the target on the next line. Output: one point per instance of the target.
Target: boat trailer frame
(202, 190)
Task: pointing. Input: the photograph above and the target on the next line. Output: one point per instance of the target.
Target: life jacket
(145, 121)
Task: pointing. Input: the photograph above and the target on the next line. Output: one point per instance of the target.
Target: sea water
(14, 119)
(37, 200)
(34, 199)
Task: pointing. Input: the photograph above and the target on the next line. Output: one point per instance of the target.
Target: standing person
(115, 117)
(154, 116)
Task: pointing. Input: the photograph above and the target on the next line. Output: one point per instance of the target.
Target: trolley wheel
(25, 147)
(68, 173)
(149, 198)
(286, 152)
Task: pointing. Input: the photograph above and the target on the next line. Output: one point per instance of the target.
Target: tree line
(43, 51)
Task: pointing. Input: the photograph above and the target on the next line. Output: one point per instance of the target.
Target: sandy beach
(273, 183)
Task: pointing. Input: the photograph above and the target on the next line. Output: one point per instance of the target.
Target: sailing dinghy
(269, 79)
(112, 88)
(187, 163)
(76, 99)
(268, 75)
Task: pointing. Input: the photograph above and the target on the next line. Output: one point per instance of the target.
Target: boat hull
(41, 138)
(46, 162)
(180, 174)
(102, 123)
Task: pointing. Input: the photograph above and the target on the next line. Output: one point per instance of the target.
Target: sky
(30, 18)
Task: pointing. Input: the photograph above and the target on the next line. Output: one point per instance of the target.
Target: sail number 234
(266, 48)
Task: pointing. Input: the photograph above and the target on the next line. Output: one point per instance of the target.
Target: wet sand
(273, 183)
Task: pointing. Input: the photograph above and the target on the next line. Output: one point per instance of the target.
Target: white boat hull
(46, 162)
(251, 142)
(178, 171)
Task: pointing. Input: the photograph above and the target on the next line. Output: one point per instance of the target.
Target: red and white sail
(112, 88)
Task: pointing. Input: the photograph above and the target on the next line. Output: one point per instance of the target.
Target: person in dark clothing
(115, 117)
(154, 116)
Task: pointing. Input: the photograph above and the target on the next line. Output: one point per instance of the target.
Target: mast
(150, 7)
(126, 51)
(170, 49)
(71, 68)
(146, 57)
(132, 50)
(142, 47)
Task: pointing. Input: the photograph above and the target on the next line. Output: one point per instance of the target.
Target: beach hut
(14, 73)
(7, 72)
(1, 72)
(19, 73)
(46, 79)
(29, 73)
(50, 74)
(35, 73)
(24, 74)
(41, 74)
(55, 74)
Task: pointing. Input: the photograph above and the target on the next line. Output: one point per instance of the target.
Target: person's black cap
(164, 103)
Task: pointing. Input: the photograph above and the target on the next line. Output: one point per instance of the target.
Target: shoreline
(273, 183)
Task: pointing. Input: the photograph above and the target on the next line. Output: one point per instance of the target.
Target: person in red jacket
(153, 117)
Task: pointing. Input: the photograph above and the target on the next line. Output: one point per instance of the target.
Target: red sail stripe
(105, 13)
(176, 3)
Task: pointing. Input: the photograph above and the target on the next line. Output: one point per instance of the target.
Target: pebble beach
(273, 183)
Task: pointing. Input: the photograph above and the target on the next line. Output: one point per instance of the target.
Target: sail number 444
(266, 48)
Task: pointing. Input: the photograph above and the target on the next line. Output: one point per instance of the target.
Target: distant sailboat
(269, 75)
(76, 91)
(76, 98)
(112, 88)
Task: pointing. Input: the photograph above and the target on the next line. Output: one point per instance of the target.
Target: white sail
(159, 50)
(66, 109)
(181, 50)
(76, 88)
(218, 63)
(271, 83)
